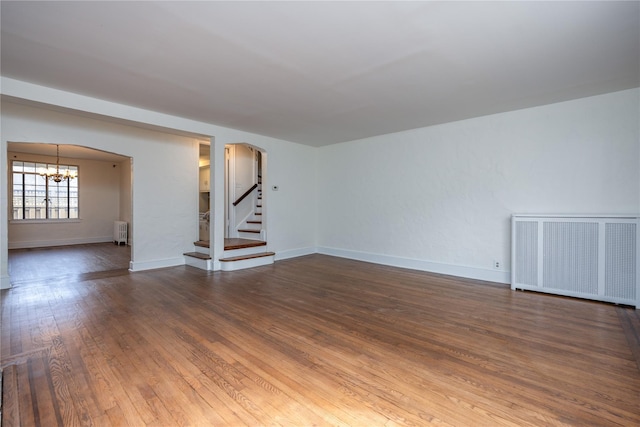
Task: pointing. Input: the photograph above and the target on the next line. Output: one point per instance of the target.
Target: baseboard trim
(60, 242)
(157, 263)
(294, 253)
(5, 282)
(498, 276)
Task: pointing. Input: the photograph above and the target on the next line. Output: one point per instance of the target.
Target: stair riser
(246, 263)
(202, 264)
(244, 251)
(202, 250)
(254, 236)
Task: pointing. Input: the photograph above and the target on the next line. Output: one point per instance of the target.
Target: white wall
(162, 230)
(440, 198)
(165, 173)
(126, 197)
(99, 197)
(4, 223)
(290, 212)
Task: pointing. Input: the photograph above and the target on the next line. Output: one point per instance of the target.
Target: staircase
(200, 258)
(238, 254)
(252, 227)
(245, 253)
(248, 250)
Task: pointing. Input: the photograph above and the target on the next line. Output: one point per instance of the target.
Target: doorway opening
(60, 232)
(204, 192)
(245, 202)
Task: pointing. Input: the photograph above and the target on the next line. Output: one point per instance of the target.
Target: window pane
(41, 180)
(30, 201)
(53, 190)
(29, 213)
(17, 197)
(36, 197)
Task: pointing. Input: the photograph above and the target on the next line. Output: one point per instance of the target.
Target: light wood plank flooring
(314, 340)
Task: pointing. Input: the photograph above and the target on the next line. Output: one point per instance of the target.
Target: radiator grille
(620, 266)
(526, 255)
(588, 256)
(571, 256)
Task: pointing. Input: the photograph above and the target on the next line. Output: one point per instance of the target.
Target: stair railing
(246, 193)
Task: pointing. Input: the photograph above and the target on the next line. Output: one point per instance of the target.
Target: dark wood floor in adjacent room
(314, 340)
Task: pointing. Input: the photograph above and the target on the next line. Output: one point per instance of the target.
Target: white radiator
(586, 256)
(120, 232)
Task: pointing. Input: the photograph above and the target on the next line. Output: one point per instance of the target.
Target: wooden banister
(246, 193)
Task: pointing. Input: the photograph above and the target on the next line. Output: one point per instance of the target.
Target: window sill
(44, 221)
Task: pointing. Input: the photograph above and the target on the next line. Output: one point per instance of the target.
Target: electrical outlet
(497, 265)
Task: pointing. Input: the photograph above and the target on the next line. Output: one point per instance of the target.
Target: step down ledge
(249, 256)
(244, 251)
(198, 255)
(247, 261)
(198, 260)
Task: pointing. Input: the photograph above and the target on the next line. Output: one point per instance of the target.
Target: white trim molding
(5, 282)
(294, 253)
(498, 276)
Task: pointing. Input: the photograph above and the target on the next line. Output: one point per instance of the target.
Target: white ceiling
(319, 73)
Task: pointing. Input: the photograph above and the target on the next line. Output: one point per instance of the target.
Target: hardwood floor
(314, 340)
(58, 261)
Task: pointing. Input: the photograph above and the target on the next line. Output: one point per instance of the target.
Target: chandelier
(54, 174)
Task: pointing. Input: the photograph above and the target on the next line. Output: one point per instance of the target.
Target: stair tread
(250, 256)
(248, 230)
(254, 222)
(233, 243)
(197, 255)
(230, 244)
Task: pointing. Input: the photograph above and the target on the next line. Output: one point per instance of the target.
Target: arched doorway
(245, 201)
